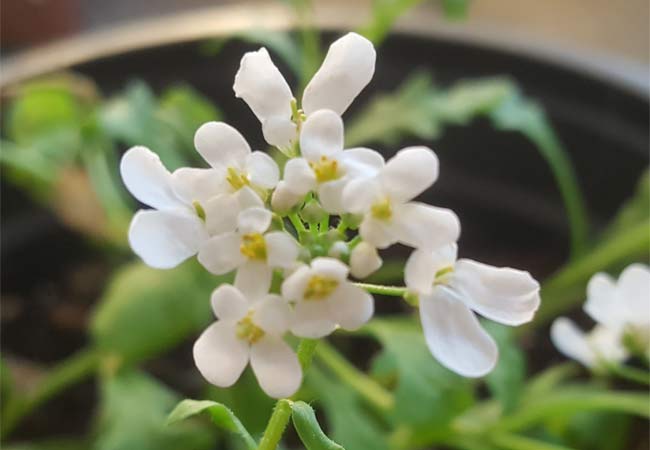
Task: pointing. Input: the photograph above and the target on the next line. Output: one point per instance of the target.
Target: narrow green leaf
(221, 416)
(506, 381)
(384, 14)
(309, 430)
(507, 441)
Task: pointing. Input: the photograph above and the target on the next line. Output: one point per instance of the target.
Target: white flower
(325, 167)
(348, 67)
(364, 260)
(389, 215)
(250, 247)
(324, 298)
(450, 291)
(620, 308)
(250, 327)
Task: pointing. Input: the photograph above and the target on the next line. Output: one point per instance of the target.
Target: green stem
(297, 222)
(354, 241)
(306, 350)
(395, 291)
(365, 386)
(324, 224)
(508, 441)
(276, 426)
(629, 373)
(70, 371)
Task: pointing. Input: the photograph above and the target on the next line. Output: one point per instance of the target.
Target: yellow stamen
(199, 210)
(319, 287)
(247, 330)
(382, 210)
(442, 275)
(253, 246)
(237, 178)
(325, 169)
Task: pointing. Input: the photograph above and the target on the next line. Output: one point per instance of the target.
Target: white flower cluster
(621, 310)
(241, 215)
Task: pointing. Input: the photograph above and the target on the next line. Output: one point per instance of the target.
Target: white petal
(253, 279)
(409, 173)
(276, 367)
(294, 285)
(147, 179)
(360, 194)
(455, 336)
(219, 355)
(254, 220)
(361, 162)
(165, 239)
(423, 226)
(299, 177)
(377, 232)
(199, 185)
(634, 291)
(311, 319)
(279, 131)
(221, 214)
(330, 267)
(284, 198)
(607, 344)
(598, 346)
(261, 85)
(221, 254)
(348, 67)
(350, 306)
(247, 198)
(229, 303)
(602, 301)
(221, 145)
(502, 294)
(422, 266)
(338, 250)
(263, 170)
(364, 260)
(330, 195)
(281, 249)
(273, 314)
(321, 135)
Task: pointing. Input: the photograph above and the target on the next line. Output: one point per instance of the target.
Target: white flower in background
(324, 298)
(348, 67)
(364, 260)
(390, 215)
(250, 328)
(325, 167)
(451, 290)
(250, 247)
(620, 308)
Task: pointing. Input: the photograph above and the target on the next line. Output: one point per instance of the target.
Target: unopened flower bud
(364, 260)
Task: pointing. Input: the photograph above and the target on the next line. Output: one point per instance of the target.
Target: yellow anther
(237, 178)
(442, 275)
(382, 210)
(199, 210)
(247, 330)
(253, 246)
(319, 287)
(325, 169)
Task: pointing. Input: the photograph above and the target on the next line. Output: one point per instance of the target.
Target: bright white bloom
(390, 215)
(325, 167)
(451, 290)
(364, 260)
(348, 67)
(250, 327)
(620, 308)
(324, 298)
(250, 247)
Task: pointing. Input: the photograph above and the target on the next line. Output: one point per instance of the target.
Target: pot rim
(226, 20)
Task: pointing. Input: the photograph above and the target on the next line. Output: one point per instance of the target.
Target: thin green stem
(354, 241)
(72, 370)
(629, 373)
(509, 441)
(365, 386)
(342, 226)
(297, 222)
(276, 426)
(306, 350)
(395, 291)
(324, 224)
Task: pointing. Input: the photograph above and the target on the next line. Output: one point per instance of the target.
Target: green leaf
(310, 432)
(145, 311)
(221, 416)
(50, 444)
(634, 211)
(506, 381)
(384, 14)
(597, 431)
(455, 9)
(133, 413)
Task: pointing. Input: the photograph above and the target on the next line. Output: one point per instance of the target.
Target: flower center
(382, 210)
(443, 275)
(253, 246)
(325, 169)
(247, 330)
(319, 287)
(237, 178)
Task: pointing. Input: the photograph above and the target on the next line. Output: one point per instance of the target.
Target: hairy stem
(276, 426)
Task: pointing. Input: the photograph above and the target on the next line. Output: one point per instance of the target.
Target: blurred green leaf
(455, 9)
(221, 416)
(145, 311)
(421, 380)
(506, 381)
(634, 211)
(133, 413)
(597, 431)
(310, 432)
(50, 444)
(384, 14)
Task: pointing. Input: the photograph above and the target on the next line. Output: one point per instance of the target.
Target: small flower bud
(338, 250)
(312, 212)
(283, 199)
(364, 260)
